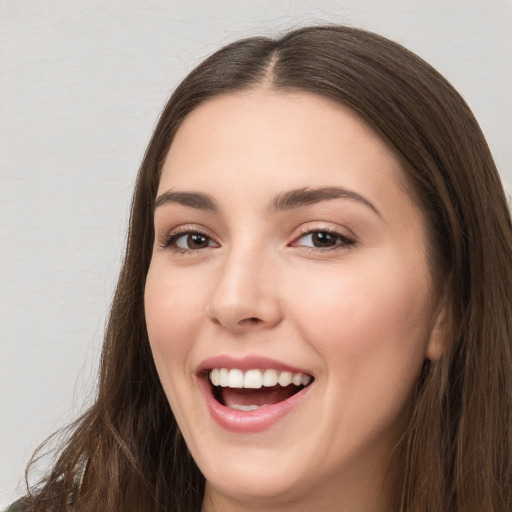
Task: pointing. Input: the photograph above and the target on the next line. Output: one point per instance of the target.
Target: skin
(357, 316)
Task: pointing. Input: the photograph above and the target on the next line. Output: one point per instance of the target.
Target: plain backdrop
(81, 85)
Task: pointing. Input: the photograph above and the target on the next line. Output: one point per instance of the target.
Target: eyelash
(342, 241)
(169, 242)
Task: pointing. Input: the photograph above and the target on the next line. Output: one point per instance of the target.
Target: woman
(314, 311)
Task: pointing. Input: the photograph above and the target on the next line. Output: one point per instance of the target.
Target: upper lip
(248, 363)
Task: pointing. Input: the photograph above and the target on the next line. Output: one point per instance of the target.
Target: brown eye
(323, 240)
(191, 241)
(196, 241)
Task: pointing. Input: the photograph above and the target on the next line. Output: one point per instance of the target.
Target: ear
(438, 342)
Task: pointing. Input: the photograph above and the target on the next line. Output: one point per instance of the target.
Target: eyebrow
(288, 200)
(306, 196)
(191, 199)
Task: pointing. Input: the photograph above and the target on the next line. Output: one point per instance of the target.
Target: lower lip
(246, 422)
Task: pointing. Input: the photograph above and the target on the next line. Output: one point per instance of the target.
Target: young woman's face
(288, 301)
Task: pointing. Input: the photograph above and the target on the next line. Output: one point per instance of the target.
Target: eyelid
(347, 241)
(174, 234)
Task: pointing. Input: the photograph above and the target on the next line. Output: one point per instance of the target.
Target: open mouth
(254, 389)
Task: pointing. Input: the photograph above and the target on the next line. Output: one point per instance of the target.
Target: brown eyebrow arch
(191, 199)
(285, 201)
(305, 196)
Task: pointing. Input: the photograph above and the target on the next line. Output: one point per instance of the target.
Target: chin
(252, 484)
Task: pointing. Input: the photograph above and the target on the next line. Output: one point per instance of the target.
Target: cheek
(172, 315)
(172, 319)
(370, 320)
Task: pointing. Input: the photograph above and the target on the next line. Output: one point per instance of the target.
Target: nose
(245, 294)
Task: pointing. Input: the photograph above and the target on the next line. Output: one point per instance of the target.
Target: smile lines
(256, 379)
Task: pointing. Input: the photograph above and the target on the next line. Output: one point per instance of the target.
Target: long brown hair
(457, 451)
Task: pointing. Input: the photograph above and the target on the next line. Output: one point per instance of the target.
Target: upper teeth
(255, 379)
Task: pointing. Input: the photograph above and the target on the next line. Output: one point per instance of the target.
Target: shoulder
(17, 506)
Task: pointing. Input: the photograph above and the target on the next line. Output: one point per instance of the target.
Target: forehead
(268, 130)
(255, 112)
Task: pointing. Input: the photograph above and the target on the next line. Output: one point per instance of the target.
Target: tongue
(262, 396)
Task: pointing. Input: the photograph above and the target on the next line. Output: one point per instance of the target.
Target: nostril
(252, 320)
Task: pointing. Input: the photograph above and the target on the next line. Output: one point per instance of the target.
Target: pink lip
(247, 422)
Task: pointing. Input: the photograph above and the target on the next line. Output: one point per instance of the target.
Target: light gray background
(81, 85)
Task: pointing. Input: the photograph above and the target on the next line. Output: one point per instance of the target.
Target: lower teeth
(253, 399)
(246, 407)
